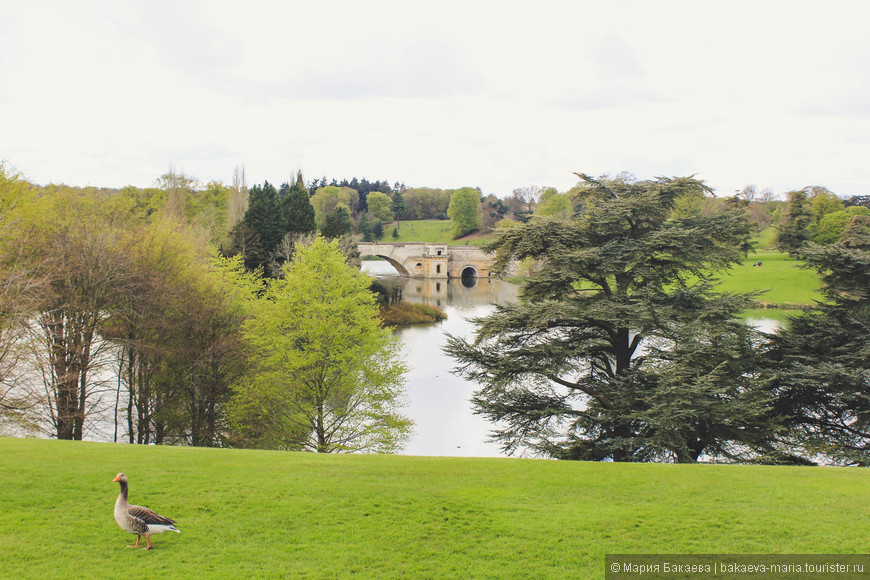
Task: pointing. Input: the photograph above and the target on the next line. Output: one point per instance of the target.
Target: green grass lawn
(786, 284)
(257, 514)
(431, 231)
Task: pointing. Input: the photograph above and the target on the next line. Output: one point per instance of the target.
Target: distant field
(432, 231)
(786, 284)
(257, 514)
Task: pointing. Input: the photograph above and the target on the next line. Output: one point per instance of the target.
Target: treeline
(206, 315)
(119, 317)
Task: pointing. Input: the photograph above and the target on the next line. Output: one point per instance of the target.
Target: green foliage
(18, 291)
(427, 203)
(327, 376)
(793, 230)
(380, 206)
(823, 376)
(823, 203)
(857, 232)
(364, 227)
(145, 202)
(208, 210)
(618, 348)
(371, 516)
(326, 199)
(554, 204)
(464, 211)
(75, 245)
(377, 230)
(831, 226)
(398, 205)
(298, 211)
(337, 223)
(262, 228)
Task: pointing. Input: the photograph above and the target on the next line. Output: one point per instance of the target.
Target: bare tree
(238, 202)
(749, 192)
(767, 195)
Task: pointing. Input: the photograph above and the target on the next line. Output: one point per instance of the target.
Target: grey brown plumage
(137, 519)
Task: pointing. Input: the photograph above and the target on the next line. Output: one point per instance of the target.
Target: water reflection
(439, 402)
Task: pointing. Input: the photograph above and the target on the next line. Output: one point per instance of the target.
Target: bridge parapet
(423, 260)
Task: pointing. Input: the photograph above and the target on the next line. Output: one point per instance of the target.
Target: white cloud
(443, 94)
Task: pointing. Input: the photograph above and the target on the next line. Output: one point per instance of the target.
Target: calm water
(438, 401)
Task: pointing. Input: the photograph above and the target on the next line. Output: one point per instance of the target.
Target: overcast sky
(499, 94)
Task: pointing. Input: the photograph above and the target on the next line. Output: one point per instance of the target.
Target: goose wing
(148, 517)
(134, 524)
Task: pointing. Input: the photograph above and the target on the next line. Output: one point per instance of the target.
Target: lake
(439, 402)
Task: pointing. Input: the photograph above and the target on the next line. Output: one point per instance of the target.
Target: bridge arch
(395, 264)
(468, 272)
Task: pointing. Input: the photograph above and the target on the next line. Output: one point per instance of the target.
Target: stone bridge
(422, 260)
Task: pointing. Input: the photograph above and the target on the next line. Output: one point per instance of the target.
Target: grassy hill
(247, 514)
(785, 283)
(431, 231)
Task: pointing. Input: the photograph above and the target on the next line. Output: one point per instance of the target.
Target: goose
(137, 519)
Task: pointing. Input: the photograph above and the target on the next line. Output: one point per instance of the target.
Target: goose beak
(117, 477)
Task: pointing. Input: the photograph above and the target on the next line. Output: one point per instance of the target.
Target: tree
(619, 349)
(179, 333)
(398, 206)
(207, 354)
(262, 228)
(162, 264)
(493, 210)
(793, 232)
(19, 291)
(207, 209)
(857, 232)
(338, 223)
(380, 206)
(327, 375)
(822, 379)
(823, 203)
(464, 211)
(238, 202)
(554, 204)
(78, 246)
(830, 227)
(298, 211)
(178, 187)
(326, 199)
(364, 228)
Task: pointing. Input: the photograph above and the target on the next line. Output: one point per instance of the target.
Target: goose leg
(148, 539)
(136, 545)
